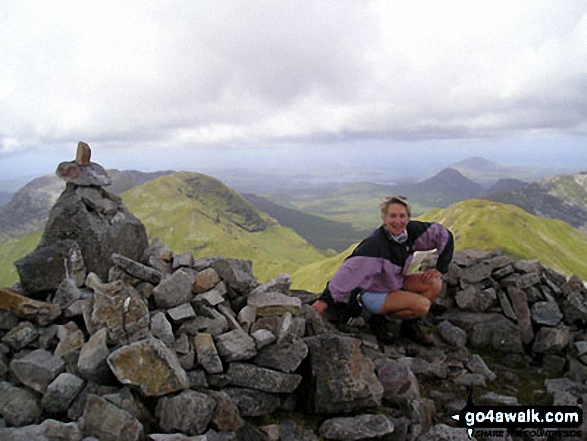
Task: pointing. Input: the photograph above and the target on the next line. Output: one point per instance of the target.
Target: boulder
(150, 366)
(343, 379)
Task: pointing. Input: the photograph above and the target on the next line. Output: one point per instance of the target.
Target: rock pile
(162, 346)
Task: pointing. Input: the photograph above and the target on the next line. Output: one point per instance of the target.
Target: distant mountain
(5, 196)
(441, 190)
(29, 207)
(358, 203)
(562, 197)
(197, 213)
(486, 225)
(486, 172)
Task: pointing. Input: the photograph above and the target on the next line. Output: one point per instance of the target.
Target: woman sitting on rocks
(377, 272)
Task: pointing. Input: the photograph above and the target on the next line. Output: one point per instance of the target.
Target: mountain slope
(562, 197)
(197, 213)
(486, 225)
(320, 232)
(28, 209)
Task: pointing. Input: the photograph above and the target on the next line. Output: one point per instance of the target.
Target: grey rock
(356, 428)
(61, 392)
(520, 305)
(357, 385)
(452, 334)
(246, 317)
(101, 225)
(497, 332)
(472, 298)
(471, 380)
(280, 284)
(126, 399)
(476, 272)
(92, 362)
(164, 374)
(67, 293)
(236, 345)
(210, 298)
(265, 380)
(161, 328)
(400, 385)
(86, 175)
(282, 357)
(7, 320)
(546, 313)
(138, 270)
(181, 313)
(477, 365)
(263, 337)
(226, 416)
(253, 403)
(528, 266)
(182, 260)
(107, 422)
(18, 406)
(274, 304)
(551, 340)
(175, 289)
(42, 271)
(48, 430)
(21, 336)
(189, 412)
(37, 369)
(237, 274)
(207, 354)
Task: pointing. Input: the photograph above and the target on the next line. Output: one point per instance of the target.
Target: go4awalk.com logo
(519, 418)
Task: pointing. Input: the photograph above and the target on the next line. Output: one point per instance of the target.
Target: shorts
(373, 301)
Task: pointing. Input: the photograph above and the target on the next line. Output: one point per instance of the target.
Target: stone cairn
(162, 346)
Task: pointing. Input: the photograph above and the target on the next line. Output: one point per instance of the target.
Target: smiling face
(396, 219)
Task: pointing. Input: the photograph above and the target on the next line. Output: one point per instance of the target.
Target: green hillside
(12, 250)
(485, 225)
(197, 213)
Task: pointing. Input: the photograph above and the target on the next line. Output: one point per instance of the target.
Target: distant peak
(475, 162)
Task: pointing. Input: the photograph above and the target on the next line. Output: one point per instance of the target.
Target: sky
(203, 85)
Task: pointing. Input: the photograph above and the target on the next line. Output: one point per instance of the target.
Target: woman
(377, 271)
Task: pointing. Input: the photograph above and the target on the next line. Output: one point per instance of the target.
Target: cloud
(223, 73)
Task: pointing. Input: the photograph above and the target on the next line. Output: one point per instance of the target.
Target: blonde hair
(401, 200)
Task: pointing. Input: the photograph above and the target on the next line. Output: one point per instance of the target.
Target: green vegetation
(12, 250)
(197, 213)
(484, 225)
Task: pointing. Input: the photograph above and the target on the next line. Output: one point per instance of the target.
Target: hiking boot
(379, 328)
(415, 331)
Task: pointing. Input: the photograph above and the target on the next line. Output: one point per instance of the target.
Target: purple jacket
(380, 264)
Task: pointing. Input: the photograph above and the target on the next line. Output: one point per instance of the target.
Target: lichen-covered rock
(150, 366)
(343, 379)
(259, 378)
(24, 307)
(120, 309)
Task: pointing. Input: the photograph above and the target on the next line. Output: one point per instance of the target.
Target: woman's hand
(428, 276)
(320, 306)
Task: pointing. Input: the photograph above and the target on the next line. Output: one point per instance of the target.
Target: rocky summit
(99, 343)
